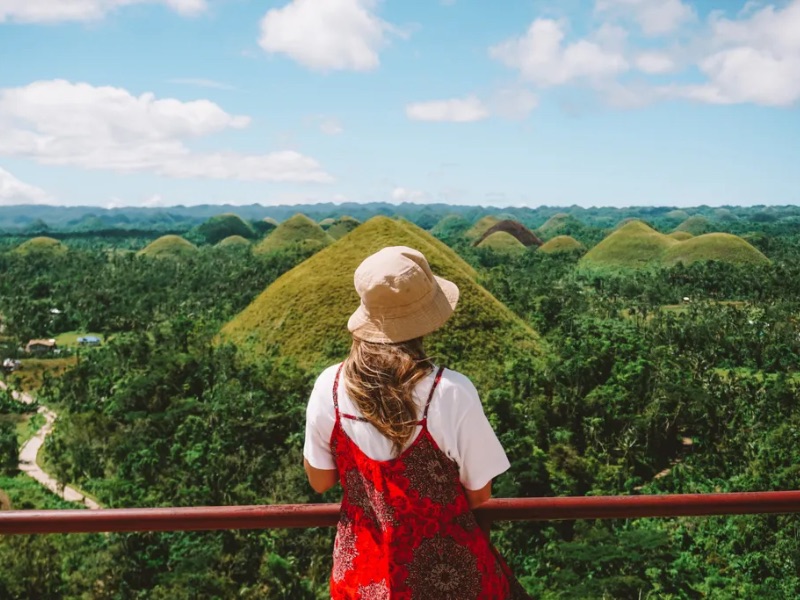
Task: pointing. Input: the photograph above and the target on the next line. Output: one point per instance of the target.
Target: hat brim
(424, 320)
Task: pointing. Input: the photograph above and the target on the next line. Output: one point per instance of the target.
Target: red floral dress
(406, 530)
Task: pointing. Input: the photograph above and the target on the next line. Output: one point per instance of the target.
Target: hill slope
(342, 226)
(501, 241)
(481, 227)
(560, 224)
(297, 230)
(723, 247)
(168, 246)
(41, 245)
(681, 236)
(233, 240)
(305, 311)
(633, 245)
(514, 228)
(696, 225)
(560, 243)
(222, 226)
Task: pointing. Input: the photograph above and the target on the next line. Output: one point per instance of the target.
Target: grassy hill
(561, 243)
(514, 228)
(305, 311)
(41, 245)
(298, 230)
(559, 224)
(342, 226)
(482, 226)
(677, 215)
(450, 226)
(681, 236)
(233, 240)
(501, 241)
(714, 246)
(222, 226)
(325, 223)
(633, 245)
(168, 246)
(696, 225)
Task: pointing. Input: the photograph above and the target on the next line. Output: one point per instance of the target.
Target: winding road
(30, 449)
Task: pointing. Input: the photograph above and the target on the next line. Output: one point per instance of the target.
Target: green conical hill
(482, 226)
(342, 226)
(559, 224)
(172, 246)
(304, 312)
(270, 221)
(724, 214)
(41, 245)
(696, 225)
(677, 214)
(561, 243)
(633, 245)
(723, 247)
(325, 223)
(450, 226)
(222, 226)
(501, 241)
(233, 240)
(298, 230)
(681, 236)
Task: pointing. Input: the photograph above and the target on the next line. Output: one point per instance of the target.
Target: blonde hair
(380, 380)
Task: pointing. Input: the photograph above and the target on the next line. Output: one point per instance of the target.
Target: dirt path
(30, 449)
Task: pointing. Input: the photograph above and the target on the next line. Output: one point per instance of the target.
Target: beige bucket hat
(401, 298)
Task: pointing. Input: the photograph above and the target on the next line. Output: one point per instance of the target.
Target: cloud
(401, 194)
(654, 17)
(200, 82)
(331, 126)
(456, 110)
(513, 103)
(14, 191)
(62, 123)
(53, 11)
(326, 35)
(655, 63)
(541, 58)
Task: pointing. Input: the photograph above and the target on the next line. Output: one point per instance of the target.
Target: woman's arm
(320, 479)
(478, 497)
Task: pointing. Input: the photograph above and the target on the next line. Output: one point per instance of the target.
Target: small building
(40, 346)
(10, 365)
(89, 340)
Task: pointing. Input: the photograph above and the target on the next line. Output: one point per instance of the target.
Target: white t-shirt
(455, 420)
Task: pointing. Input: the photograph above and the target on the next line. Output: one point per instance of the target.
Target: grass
(30, 377)
(233, 240)
(27, 426)
(26, 494)
(41, 245)
(47, 467)
(451, 225)
(696, 225)
(305, 311)
(70, 338)
(342, 226)
(634, 245)
(297, 230)
(677, 214)
(168, 246)
(714, 246)
(558, 224)
(561, 243)
(482, 226)
(219, 227)
(681, 236)
(501, 241)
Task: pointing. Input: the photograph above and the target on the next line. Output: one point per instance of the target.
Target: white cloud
(326, 35)
(61, 123)
(200, 82)
(513, 103)
(52, 11)
(331, 126)
(655, 17)
(14, 191)
(655, 63)
(541, 57)
(456, 110)
(401, 194)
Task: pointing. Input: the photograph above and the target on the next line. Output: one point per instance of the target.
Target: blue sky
(589, 102)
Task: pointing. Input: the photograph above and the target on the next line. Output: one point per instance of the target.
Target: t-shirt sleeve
(481, 455)
(320, 419)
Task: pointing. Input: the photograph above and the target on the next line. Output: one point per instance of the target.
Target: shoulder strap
(430, 394)
(336, 391)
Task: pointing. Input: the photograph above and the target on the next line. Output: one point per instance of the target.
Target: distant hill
(560, 243)
(515, 229)
(325, 223)
(559, 224)
(482, 226)
(41, 245)
(500, 241)
(342, 226)
(450, 226)
(233, 240)
(633, 245)
(222, 226)
(305, 311)
(298, 230)
(168, 246)
(714, 246)
(680, 235)
(696, 225)
(677, 215)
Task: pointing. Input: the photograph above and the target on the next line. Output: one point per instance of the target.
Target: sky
(514, 103)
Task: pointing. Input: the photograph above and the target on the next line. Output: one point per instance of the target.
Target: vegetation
(714, 246)
(299, 232)
(696, 225)
(514, 228)
(500, 241)
(482, 226)
(342, 226)
(234, 240)
(41, 245)
(168, 246)
(561, 243)
(219, 227)
(681, 236)
(634, 245)
(560, 224)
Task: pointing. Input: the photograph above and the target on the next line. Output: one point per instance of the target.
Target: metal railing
(326, 515)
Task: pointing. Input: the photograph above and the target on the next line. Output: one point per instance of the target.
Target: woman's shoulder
(458, 387)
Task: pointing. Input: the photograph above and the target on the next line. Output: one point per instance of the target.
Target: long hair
(380, 379)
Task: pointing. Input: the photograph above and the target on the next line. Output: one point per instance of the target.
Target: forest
(603, 369)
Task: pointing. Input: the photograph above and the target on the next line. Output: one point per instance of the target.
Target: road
(30, 449)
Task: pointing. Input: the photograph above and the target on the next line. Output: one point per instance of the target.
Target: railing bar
(326, 515)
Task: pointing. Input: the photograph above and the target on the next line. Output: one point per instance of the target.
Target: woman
(411, 446)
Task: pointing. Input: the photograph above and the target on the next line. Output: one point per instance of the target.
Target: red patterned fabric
(406, 530)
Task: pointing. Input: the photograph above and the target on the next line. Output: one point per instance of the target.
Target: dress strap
(336, 391)
(430, 395)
